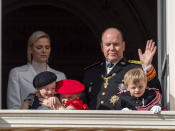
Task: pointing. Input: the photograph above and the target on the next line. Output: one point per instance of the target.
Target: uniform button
(103, 93)
(102, 102)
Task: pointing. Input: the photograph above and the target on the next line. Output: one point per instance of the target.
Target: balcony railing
(93, 120)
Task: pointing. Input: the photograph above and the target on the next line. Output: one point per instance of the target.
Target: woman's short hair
(134, 76)
(32, 39)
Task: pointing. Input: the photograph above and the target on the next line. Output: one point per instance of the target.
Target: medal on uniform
(106, 79)
(114, 99)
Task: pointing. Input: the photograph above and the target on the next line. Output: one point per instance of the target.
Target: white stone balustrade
(91, 120)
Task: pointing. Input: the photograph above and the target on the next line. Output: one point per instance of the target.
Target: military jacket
(150, 98)
(101, 88)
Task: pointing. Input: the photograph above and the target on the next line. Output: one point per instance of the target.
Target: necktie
(109, 67)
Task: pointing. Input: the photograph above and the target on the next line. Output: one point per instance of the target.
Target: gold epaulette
(92, 65)
(135, 62)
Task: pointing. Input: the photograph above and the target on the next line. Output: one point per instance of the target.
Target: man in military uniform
(104, 80)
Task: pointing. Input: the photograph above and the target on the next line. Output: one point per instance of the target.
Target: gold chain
(106, 79)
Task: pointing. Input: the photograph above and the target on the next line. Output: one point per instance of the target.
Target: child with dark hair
(45, 84)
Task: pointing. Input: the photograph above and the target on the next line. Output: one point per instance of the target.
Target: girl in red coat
(69, 92)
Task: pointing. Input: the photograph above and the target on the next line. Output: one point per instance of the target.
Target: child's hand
(70, 108)
(43, 101)
(156, 109)
(52, 102)
(125, 109)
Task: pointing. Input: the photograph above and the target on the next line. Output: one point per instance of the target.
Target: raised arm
(147, 57)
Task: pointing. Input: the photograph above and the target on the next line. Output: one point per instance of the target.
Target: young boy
(70, 91)
(45, 84)
(137, 96)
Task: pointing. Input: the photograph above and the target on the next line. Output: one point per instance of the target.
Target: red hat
(69, 86)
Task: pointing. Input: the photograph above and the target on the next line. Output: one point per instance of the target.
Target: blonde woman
(20, 78)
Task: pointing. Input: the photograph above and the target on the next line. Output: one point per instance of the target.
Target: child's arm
(52, 102)
(25, 105)
(28, 101)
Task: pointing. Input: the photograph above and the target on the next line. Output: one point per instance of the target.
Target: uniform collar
(122, 61)
(107, 62)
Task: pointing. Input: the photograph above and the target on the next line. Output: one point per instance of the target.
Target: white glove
(156, 109)
(125, 109)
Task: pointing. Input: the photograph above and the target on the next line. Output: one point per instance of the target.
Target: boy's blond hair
(134, 76)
